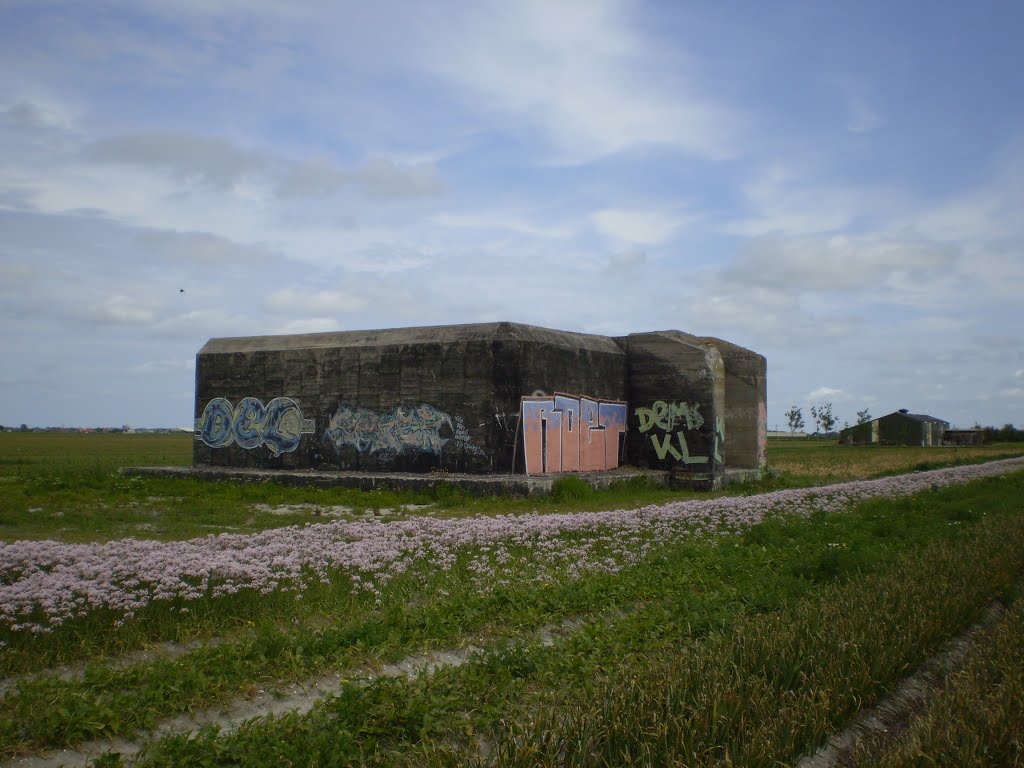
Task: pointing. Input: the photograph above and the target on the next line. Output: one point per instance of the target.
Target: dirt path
(298, 698)
(875, 727)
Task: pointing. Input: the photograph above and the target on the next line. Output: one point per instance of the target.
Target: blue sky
(838, 186)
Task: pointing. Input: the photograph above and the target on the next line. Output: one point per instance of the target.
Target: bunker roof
(443, 334)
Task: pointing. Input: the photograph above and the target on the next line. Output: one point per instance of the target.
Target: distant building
(899, 428)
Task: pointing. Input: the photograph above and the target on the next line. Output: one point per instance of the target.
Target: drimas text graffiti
(662, 420)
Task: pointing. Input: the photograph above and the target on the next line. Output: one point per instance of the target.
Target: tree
(863, 416)
(823, 419)
(796, 419)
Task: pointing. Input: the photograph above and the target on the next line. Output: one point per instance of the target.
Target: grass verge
(681, 592)
(977, 718)
(745, 689)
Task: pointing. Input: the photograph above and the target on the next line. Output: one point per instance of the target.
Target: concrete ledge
(476, 485)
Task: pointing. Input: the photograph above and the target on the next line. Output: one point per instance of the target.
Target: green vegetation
(747, 649)
(66, 487)
(977, 718)
(730, 653)
(811, 461)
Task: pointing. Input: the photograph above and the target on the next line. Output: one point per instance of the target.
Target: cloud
(940, 323)
(637, 226)
(37, 126)
(861, 115)
(121, 310)
(838, 262)
(198, 247)
(186, 156)
(628, 261)
(200, 324)
(512, 222)
(161, 367)
(379, 177)
(323, 303)
(827, 394)
(985, 212)
(310, 325)
(579, 74)
(386, 179)
(312, 177)
(791, 198)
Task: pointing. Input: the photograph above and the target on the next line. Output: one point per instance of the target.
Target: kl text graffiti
(661, 420)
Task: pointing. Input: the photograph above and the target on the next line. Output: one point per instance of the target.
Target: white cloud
(940, 323)
(578, 73)
(312, 177)
(838, 262)
(153, 367)
(379, 177)
(827, 394)
(519, 224)
(985, 212)
(198, 247)
(309, 325)
(122, 310)
(37, 126)
(186, 156)
(384, 178)
(791, 198)
(862, 116)
(638, 226)
(322, 303)
(627, 261)
(200, 324)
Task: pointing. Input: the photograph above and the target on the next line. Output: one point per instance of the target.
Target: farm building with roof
(899, 428)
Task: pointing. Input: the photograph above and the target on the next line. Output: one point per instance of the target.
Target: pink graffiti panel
(570, 445)
(592, 445)
(553, 440)
(612, 417)
(568, 434)
(533, 410)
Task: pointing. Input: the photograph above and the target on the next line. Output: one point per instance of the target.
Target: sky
(838, 186)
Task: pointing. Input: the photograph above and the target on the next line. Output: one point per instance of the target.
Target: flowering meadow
(571, 636)
(44, 584)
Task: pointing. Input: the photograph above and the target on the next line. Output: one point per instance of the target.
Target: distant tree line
(825, 422)
(1004, 434)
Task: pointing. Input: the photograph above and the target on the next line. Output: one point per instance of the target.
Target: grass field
(636, 626)
(66, 487)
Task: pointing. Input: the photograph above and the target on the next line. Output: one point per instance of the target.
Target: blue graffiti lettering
(423, 429)
(278, 425)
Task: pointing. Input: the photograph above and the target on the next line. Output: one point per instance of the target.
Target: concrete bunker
(489, 398)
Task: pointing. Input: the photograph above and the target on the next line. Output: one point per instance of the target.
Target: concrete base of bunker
(473, 485)
(481, 399)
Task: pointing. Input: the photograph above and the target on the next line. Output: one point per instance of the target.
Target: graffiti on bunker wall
(278, 424)
(421, 429)
(563, 433)
(762, 434)
(661, 421)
